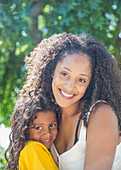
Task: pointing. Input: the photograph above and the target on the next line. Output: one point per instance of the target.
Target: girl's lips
(45, 141)
(66, 95)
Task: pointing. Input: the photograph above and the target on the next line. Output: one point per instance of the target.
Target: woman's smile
(71, 79)
(66, 95)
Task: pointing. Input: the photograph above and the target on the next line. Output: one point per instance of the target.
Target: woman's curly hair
(24, 112)
(105, 83)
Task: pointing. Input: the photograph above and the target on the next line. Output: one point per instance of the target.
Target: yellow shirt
(35, 156)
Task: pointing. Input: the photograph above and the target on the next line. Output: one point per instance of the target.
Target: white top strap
(98, 101)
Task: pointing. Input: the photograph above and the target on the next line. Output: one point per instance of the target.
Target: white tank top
(73, 159)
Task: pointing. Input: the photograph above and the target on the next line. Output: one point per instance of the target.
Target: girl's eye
(53, 125)
(81, 80)
(64, 74)
(38, 127)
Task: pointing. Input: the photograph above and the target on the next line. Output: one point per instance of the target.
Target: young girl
(34, 129)
(81, 76)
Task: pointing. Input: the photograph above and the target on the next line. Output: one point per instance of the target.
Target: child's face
(44, 128)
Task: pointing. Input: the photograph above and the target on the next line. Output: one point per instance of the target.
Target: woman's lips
(66, 95)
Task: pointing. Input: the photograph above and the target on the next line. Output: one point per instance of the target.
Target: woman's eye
(53, 125)
(64, 74)
(81, 80)
(38, 127)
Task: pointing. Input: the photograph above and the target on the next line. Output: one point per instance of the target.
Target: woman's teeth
(66, 95)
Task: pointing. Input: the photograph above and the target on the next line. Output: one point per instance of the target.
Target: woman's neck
(69, 111)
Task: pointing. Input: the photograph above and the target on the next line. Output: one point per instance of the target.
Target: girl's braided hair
(24, 112)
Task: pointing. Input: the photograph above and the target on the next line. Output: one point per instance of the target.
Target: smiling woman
(71, 79)
(77, 75)
(72, 72)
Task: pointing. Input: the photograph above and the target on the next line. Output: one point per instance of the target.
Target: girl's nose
(47, 132)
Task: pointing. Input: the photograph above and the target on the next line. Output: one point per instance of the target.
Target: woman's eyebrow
(71, 71)
(84, 75)
(67, 69)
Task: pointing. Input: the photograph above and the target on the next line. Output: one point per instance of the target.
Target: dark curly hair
(105, 83)
(24, 112)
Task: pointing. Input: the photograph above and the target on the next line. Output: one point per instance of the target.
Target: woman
(79, 75)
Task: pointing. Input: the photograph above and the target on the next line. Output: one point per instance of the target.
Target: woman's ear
(52, 75)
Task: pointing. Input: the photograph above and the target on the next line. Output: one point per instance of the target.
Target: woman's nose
(70, 84)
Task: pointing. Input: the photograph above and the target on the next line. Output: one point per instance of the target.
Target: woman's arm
(102, 139)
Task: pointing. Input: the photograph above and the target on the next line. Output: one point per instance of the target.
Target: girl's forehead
(43, 114)
(43, 117)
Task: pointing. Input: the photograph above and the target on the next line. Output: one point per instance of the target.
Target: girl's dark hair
(24, 111)
(105, 83)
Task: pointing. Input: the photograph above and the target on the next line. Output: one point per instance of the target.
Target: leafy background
(24, 23)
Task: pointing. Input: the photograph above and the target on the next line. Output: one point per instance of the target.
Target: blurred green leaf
(2, 158)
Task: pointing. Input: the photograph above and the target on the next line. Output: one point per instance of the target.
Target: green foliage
(24, 23)
(98, 17)
(2, 159)
(15, 43)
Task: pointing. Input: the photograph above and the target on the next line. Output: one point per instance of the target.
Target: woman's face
(71, 79)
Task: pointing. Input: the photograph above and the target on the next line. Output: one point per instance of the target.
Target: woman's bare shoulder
(102, 137)
(103, 114)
